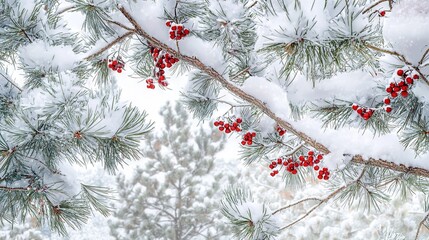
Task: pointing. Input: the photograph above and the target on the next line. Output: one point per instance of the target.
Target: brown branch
(117, 40)
(261, 105)
(373, 5)
(10, 189)
(326, 199)
(422, 223)
(423, 57)
(121, 25)
(401, 57)
(358, 159)
(296, 203)
(228, 85)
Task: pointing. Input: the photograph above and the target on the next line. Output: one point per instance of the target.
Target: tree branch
(10, 81)
(228, 85)
(117, 40)
(258, 103)
(296, 203)
(326, 199)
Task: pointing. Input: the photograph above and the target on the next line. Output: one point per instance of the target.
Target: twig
(423, 57)
(239, 73)
(373, 5)
(401, 57)
(117, 40)
(10, 81)
(326, 199)
(121, 25)
(296, 203)
(65, 10)
(422, 223)
(13, 188)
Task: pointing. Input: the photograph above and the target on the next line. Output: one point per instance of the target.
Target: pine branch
(228, 85)
(324, 200)
(401, 57)
(117, 40)
(258, 103)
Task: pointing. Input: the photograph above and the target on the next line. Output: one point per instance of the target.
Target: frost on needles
(332, 76)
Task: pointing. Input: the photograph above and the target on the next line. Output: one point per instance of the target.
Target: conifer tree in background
(329, 90)
(176, 193)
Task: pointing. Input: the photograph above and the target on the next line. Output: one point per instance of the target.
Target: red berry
(320, 176)
(386, 101)
(394, 94)
(310, 153)
(382, 13)
(415, 76)
(227, 130)
(396, 89)
(359, 110)
(216, 123)
(243, 142)
(168, 23)
(389, 89)
(355, 106)
(114, 62)
(119, 70)
(316, 168)
(279, 161)
(272, 174)
(326, 177)
(239, 120)
(404, 88)
(186, 31)
(294, 171)
(400, 72)
(409, 80)
(404, 94)
(221, 128)
(388, 108)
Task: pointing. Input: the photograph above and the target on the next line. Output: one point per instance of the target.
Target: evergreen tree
(175, 194)
(328, 90)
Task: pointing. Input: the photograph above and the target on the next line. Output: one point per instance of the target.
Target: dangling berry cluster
(229, 126)
(162, 60)
(177, 31)
(399, 85)
(323, 174)
(365, 113)
(149, 83)
(116, 64)
(311, 160)
(280, 130)
(248, 138)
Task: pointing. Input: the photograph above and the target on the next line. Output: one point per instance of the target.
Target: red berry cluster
(229, 127)
(323, 174)
(177, 31)
(248, 138)
(149, 83)
(401, 87)
(162, 60)
(116, 65)
(280, 130)
(365, 113)
(311, 160)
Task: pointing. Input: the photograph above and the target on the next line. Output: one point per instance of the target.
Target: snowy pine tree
(331, 91)
(176, 193)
